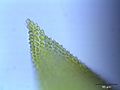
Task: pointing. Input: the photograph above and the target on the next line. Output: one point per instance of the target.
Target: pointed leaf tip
(28, 21)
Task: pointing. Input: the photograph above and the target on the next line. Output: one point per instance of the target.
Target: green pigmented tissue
(56, 68)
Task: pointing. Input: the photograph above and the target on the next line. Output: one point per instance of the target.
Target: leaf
(57, 68)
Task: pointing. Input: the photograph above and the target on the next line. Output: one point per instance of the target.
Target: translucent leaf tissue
(56, 68)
